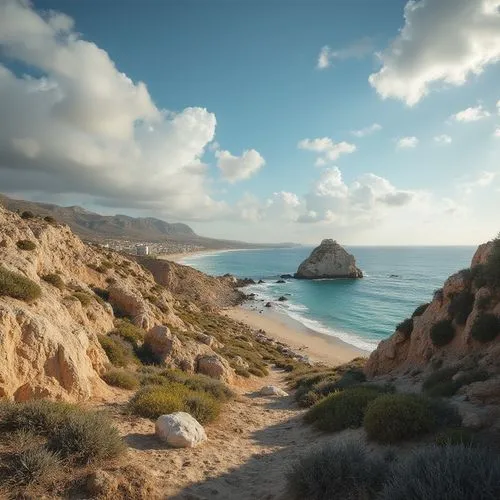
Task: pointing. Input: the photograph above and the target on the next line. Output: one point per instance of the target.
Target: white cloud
(331, 200)
(363, 132)
(496, 133)
(356, 50)
(443, 139)
(442, 41)
(407, 142)
(472, 114)
(467, 185)
(326, 148)
(282, 205)
(237, 168)
(83, 128)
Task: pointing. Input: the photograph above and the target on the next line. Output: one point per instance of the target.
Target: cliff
(460, 324)
(329, 260)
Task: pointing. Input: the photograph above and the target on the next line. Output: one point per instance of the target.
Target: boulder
(280, 281)
(329, 260)
(180, 430)
(163, 343)
(210, 341)
(286, 276)
(239, 361)
(260, 282)
(272, 390)
(215, 366)
(282, 299)
(268, 304)
(130, 303)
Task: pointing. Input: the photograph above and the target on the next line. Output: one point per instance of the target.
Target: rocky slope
(49, 343)
(329, 260)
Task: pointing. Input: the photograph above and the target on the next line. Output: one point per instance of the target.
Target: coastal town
(152, 248)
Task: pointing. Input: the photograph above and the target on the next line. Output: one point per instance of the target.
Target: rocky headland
(329, 260)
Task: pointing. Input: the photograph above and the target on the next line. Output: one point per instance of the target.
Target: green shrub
(118, 353)
(440, 383)
(202, 406)
(405, 327)
(492, 266)
(38, 416)
(129, 332)
(83, 297)
(442, 332)
(396, 417)
(341, 410)
(343, 471)
(17, 286)
(486, 327)
(454, 436)
(54, 280)
(242, 372)
(121, 378)
(444, 389)
(50, 219)
(86, 437)
(26, 245)
(27, 215)
(445, 473)
(153, 401)
(461, 306)
(258, 372)
(32, 466)
(101, 293)
(420, 310)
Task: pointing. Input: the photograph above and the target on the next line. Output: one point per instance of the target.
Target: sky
(373, 122)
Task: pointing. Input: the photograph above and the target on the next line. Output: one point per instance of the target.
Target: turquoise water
(360, 312)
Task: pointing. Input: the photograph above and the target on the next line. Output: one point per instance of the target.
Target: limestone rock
(210, 341)
(329, 260)
(131, 304)
(215, 366)
(163, 343)
(180, 430)
(272, 390)
(239, 361)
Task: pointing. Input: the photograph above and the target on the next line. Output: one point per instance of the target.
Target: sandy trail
(248, 452)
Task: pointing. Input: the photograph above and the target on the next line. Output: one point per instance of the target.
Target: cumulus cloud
(441, 42)
(363, 132)
(472, 114)
(331, 200)
(496, 133)
(237, 168)
(443, 139)
(326, 148)
(407, 142)
(356, 50)
(469, 184)
(83, 128)
(282, 205)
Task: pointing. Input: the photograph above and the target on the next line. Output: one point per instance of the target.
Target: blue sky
(221, 78)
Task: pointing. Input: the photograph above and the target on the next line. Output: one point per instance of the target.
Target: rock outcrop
(180, 430)
(329, 260)
(272, 390)
(461, 301)
(215, 366)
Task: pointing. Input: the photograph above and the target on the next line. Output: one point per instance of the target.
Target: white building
(142, 250)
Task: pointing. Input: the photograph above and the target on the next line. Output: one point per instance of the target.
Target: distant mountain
(92, 226)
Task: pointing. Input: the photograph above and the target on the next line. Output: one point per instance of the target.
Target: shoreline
(319, 347)
(177, 257)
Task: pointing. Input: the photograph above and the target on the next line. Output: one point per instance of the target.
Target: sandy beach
(318, 346)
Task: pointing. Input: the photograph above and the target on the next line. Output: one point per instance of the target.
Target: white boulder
(180, 430)
(272, 390)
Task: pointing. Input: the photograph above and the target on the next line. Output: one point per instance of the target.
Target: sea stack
(329, 260)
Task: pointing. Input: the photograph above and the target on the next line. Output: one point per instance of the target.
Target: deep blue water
(361, 312)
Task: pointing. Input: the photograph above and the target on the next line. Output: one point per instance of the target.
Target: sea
(360, 312)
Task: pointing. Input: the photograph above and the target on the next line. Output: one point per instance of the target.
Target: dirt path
(248, 452)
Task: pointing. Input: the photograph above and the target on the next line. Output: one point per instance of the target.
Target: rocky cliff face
(443, 332)
(329, 260)
(49, 345)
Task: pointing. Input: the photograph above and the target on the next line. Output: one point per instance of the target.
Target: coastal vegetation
(17, 286)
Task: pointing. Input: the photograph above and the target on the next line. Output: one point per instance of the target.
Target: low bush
(202, 406)
(405, 327)
(118, 353)
(129, 332)
(86, 437)
(395, 417)
(420, 310)
(461, 306)
(485, 328)
(455, 436)
(27, 215)
(17, 286)
(445, 473)
(242, 372)
(341, 410)
(50, 219)
(258, 371)
(343, 471)
(444, 389)
(440, 383)
(442, 332)
(153, 401)
(27, 245)
(121, 378)
(32, 466)
(101, 293)
(83, 297)
(55, 280)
